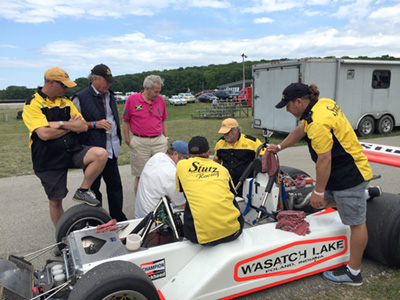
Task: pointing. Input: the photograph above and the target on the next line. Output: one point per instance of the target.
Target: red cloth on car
(293, 221)
(269, 163)
(109, 226)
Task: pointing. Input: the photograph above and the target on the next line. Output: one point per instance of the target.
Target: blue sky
(131, 36)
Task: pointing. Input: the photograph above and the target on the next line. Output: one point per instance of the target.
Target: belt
(146, 136)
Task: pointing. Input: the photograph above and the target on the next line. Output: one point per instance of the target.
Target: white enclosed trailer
(368, 91)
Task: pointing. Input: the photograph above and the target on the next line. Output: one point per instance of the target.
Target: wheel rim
(84, 223)
(125, 295)
(367, 127)
(386, 125)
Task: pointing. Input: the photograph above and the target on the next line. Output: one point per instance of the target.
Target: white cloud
(261, 6)
(40, 11)
(354, 10)
(263, 20)
(386, 14)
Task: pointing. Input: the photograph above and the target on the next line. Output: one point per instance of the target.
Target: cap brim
(69, 83)
(224, 130)
(281, 104)
(110, 78)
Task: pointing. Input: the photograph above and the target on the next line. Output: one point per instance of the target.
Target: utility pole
(244, 76)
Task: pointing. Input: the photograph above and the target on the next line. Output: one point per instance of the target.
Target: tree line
(193, 79)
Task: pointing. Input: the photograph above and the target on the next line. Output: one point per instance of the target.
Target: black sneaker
(87, 197)
(374, 191)
(342, 275)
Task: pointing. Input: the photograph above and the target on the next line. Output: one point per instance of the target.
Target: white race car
(106, 262)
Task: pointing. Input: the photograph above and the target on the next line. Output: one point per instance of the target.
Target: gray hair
(150, 80)
(91, 76)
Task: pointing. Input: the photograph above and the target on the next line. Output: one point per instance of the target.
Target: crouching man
(212, 215)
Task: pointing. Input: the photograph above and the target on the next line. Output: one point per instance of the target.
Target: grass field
(16, 155)
(16, 160)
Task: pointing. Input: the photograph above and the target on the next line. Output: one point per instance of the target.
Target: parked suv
(226, 94)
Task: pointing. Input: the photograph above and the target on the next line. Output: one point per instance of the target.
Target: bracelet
(94, 124)
(318, 193)
(279, 147)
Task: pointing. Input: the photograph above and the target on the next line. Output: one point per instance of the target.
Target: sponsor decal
(381, 149)
(291, 258)
(201, 171)
(154, 269)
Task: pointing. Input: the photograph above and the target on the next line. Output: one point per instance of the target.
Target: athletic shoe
(374, 191)
(87, 197)
(342, 275)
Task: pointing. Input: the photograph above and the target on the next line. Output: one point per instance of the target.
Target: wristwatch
(61, 124)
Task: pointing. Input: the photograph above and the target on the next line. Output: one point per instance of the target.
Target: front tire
(79, 217)
(114, 280)
(366, 126)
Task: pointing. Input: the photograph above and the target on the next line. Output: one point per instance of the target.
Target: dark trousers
(112, 179)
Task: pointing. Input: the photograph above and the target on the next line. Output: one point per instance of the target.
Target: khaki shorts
(142, 148)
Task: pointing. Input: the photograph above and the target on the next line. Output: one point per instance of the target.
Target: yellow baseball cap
(227, 125)
(58, 74)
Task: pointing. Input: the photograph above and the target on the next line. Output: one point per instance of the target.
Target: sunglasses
(62, 84)
(150, 109)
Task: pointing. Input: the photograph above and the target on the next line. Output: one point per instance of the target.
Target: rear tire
(383, 222)
(79, 217)
(384, 125)
(115, 280)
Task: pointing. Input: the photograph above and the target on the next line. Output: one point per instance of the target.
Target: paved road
(26, 226)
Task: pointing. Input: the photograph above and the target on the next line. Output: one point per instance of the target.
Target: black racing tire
(383, 222)
(384, 125)
(293, 172)
(78, 217)
(114, 280)
(366, 126)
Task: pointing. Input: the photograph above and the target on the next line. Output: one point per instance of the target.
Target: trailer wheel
(383, 222)
(385, 125)
(114, 280)
(366, 126)
(79, 217)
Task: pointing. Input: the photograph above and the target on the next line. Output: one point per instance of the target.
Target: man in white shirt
(158, 179)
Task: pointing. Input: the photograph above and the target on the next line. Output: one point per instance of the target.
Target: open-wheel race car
(150, 259)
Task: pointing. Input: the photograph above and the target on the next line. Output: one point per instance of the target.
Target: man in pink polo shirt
(145, 116)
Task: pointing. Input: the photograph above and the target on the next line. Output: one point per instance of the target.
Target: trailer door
(269, 83)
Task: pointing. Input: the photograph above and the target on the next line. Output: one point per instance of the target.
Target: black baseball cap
(198, 145)
(292, 91)
(104, 71)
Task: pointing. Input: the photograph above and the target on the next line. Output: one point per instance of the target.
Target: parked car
(205, 92)
(207, 98)
(188, 96)
(226, 94)
(177, 100)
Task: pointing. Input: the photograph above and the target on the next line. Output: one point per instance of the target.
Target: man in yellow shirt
(235, 150)
(212, 215)
(343, 171)
(53, 122)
